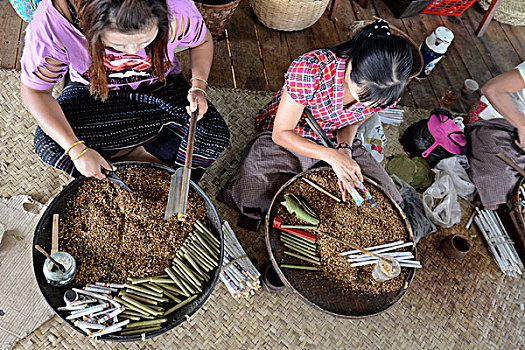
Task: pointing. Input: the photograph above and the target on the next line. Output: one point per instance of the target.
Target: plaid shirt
(315, 80)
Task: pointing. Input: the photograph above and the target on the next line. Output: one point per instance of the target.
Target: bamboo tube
(147, 299)
(298, 238)
(152, 287)
(172, 297)
(131, 313)
(143, 324)
(299, 267)
(138, 280)
(198, 258)
(311, 249)
(195, 265)
(300, 227)
(201, 251)
(205, 247)
(187, 272)
(208, 232)
(140, 305)
(322, 190)
(178, 306)
(302, 252)
(162, 280)
(129, 317)
(143, 290)
(170, 288)
(140, 331)
(187, 282)
(170, 272)
(302, 258)
(129, 306)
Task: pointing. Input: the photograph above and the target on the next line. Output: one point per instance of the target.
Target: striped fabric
(315, 80)
(25, 8)
(129, 119)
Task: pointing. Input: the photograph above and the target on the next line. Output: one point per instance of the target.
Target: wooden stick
(319, 188)
(54, 234)
(355, 246)
(511, 163)
(57, 264)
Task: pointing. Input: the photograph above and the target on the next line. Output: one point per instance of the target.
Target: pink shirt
(53, 45)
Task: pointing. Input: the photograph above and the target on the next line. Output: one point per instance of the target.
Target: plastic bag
(413, 208)
(373, 137)
(440, 201)
(452, 166)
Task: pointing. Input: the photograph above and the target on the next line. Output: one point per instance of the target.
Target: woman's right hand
(90, 164)
(346, 169)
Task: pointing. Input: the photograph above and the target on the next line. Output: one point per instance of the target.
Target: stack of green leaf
(415, 171)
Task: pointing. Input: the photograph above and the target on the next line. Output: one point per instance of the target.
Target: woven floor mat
(450, 304)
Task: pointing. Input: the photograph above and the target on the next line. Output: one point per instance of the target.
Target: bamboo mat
(450, 304)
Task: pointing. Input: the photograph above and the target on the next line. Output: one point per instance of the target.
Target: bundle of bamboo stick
(500, 244)
(238, 273)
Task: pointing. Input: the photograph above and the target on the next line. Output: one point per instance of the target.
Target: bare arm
(49, 115)
(498, 90)
(288, 114)
(201, 58)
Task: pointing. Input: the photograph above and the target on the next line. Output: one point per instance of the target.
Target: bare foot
(137, 154)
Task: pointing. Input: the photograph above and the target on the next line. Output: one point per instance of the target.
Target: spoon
(57, 264)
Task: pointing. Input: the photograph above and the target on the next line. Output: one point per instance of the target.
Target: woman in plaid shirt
(342, 86)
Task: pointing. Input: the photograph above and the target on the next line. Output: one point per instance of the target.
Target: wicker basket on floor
(217, 17)
(509, 12)
(288, 15)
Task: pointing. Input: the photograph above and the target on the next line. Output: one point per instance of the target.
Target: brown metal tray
(319, 292)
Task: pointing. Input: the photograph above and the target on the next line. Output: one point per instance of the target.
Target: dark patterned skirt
(154, 117)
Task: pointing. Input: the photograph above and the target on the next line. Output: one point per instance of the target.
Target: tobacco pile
(114, 234)
(363, 225)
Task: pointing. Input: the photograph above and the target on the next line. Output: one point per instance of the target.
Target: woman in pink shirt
(127, 98)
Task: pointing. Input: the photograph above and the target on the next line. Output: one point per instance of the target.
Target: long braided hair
(381, 63)
(124, 16)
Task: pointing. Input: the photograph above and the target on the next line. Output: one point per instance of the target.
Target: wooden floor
(254, 57)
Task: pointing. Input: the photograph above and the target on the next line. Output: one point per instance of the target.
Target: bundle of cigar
(238, 273)
(142, 304)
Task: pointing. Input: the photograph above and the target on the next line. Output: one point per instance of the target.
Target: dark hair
(125, 16)
(381, 63)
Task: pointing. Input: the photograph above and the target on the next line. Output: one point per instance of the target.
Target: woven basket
(417, 64)
(217, 17)
(288, 15)
(509, 12)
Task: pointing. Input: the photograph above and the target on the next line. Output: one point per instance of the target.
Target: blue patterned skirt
(154, 117)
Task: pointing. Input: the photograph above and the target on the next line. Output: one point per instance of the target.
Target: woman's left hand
(197, 98)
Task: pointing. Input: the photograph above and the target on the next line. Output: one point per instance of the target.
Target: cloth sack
(435, 138)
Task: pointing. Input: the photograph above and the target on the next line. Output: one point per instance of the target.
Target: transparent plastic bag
(413, 208)
(452, 166)
(440, 201)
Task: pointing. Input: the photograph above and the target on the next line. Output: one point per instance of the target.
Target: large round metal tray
(318, 291)
(54, 295)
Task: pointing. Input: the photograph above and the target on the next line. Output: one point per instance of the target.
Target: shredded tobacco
(114, 234)
(363, 225)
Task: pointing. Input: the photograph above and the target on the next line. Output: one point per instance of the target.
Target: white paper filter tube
(371, 258)
(371, 249)
(383, 250)
(395, 255)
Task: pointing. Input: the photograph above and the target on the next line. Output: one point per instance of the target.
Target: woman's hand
(90, 164)
(197, 98)
(347, 170)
